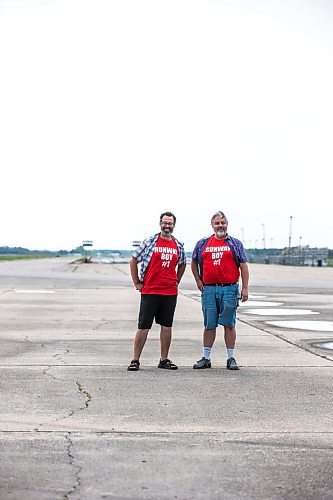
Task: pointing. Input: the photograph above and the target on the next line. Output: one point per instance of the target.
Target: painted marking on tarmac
(320, 326)
(279, 312)
(34, 291)
(258, 303)
(325, 345)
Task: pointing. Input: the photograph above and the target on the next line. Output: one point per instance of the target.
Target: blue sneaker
(231, 364)
(202, 363)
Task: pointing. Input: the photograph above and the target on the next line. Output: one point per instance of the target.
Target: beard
(221, 233)
(166, 231)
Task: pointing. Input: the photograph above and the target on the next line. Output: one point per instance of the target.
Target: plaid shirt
(235, 245)
(144, 253)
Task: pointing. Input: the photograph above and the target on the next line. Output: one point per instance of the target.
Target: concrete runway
(75, 424)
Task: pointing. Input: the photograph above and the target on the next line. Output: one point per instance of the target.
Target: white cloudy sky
(112, 111)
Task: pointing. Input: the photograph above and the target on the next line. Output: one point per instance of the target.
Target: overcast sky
(112, 112)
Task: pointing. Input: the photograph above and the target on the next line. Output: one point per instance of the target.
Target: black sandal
(134, 365)
(167, 364)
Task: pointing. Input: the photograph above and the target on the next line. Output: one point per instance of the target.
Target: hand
(138, 286)
(244, 294)
(200, 285)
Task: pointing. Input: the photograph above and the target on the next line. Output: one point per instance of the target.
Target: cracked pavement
(74, 424)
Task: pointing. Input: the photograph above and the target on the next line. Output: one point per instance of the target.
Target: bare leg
(209, 337)
(165, 340)
(139, 342)
(230, 336)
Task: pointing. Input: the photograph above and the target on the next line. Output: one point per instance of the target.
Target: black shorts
(160, 307)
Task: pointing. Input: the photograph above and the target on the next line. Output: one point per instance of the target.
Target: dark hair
(169, 214)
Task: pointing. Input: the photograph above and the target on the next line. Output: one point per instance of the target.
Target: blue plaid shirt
(235, 245)
(144, 253)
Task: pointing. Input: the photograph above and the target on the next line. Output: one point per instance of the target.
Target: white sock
(207, 351)
(230, 353)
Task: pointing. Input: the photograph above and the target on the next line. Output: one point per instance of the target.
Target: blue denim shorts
(219, 305)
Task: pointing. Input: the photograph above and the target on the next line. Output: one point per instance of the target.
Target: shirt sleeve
(243, 256)
(182, 256)
(138, 252)
(241, 251)
(195, 254)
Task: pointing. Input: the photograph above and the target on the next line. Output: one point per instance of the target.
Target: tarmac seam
(185, 367)
(167, 433)
(148, 367)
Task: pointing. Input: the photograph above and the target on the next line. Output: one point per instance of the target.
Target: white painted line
(279, 312)
(258, 303)
(326, 345)
(34, 291)
(320, 326)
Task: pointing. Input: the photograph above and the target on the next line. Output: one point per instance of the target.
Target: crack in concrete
(59, 354)
(72, 412)
(119, 270)
(49, 367)
(86, 393)
(102, 323)
(78, 468)
(37, 429)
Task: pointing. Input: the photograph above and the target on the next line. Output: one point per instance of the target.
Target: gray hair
(216, 214)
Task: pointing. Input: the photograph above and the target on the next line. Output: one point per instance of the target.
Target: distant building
(304, 256)
(294, 256)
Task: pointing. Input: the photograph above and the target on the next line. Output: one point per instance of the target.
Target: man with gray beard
(217, 263)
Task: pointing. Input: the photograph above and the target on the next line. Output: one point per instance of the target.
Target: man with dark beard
(217, 263)
(163, 264)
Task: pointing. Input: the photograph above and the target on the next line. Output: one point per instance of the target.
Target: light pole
(264, 242)
(290, 229)
(263, 236)
(289, 245)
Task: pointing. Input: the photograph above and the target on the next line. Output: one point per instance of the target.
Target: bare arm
(134, 273)
(244, 270)
(180, 271)
(195, 272)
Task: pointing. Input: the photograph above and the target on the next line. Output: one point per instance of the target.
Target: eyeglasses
(167, 223)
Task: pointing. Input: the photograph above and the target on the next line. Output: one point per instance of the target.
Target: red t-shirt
(161, 275)
(219, 265)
